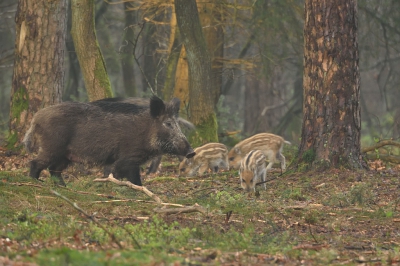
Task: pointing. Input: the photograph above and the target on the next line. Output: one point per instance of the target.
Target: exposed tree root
(380, 144)
(383, 157)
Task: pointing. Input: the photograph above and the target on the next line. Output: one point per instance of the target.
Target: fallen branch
(88, 193)
(73, 204)
(144, 201)
(380, 144)
(182, 209)
(384, 157)
(194, 208)
(111, 178)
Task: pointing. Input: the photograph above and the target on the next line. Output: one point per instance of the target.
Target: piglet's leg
(203, 169)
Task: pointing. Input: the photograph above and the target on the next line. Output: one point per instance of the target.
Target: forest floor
(314, 218)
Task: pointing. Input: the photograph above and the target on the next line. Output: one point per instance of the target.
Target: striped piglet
(252, 170)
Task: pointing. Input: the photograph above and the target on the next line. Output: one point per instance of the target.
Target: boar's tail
(186, 124)
(28, 139)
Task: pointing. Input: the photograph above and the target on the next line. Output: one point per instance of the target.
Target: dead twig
(111, 178)
(135, 200)
(88, 193)
(309, 228)
(268, 180)
(73, 204)
(24, 184)
(134, 44)
(228, 216)
(194, 208)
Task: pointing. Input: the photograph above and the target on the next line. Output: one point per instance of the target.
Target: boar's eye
(182, 169)
(168, 124)
(251, 181)
(231, 158)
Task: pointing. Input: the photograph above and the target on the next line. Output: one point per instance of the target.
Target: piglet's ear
(175, 104)
(157, 107)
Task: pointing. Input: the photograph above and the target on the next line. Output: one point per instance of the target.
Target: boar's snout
(190, 154)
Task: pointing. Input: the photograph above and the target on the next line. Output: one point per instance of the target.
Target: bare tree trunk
(73, 78)
(127, 60)
(331, 121)
(201, 102)
(182, 80)
(175, 49)
(38, 77)
(210, 19)
(88, 51)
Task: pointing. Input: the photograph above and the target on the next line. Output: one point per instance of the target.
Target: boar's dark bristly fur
(106, 105)
(118, 134)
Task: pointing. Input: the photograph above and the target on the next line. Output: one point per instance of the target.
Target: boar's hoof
(190, 154)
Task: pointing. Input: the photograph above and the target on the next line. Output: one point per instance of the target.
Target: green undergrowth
(318, 217)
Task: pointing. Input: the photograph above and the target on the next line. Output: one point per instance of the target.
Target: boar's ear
(175, 103)
(157, 107)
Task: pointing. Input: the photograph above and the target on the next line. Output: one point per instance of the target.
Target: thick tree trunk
(38, 77)
(210, 20)
(73, 78)
(201, 102)
(128, 60)
(182, 79)
(150, 55)
(331, 121)
(88, 51)
(174, 49)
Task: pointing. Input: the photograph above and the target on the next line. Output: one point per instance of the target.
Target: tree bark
(38, 77)
(210, 19)
(88, 51)
(201, 102)
(331, 118)
(128, 60)
(174, 49)
(181, 86)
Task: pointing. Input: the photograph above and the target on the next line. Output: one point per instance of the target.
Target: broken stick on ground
(164, 210)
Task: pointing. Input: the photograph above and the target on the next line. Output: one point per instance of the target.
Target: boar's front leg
(129, 169)
(154, 165)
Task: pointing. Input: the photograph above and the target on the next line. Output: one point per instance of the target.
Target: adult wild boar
(124, 139)
(142, 102)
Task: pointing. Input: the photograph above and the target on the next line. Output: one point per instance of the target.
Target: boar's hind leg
(128, 169)
(56, 168)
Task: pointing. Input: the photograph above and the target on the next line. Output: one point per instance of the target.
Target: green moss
(12, 139)
(19, 104)
(322, 165)
(205, 132)
(100, 73)
(309, 156)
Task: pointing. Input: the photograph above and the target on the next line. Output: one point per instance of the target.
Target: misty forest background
(258, 51)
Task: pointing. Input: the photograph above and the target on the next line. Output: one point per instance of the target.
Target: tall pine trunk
(38, 77)
(331, 122)
(201, 102)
